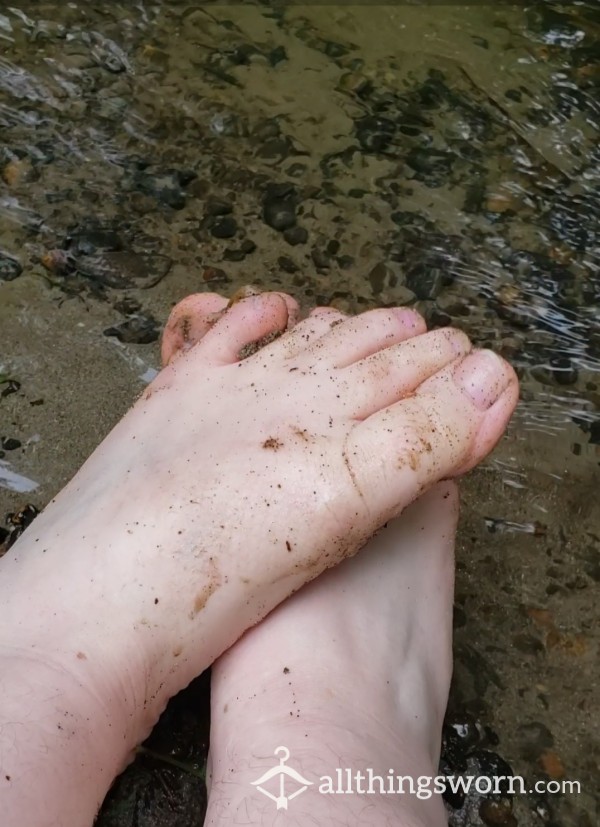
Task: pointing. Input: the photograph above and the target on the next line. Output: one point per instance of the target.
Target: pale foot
(226, 487)
(352, 674)
(352, 671)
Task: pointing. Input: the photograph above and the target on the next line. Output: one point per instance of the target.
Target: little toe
(188, 322)
(361, 336)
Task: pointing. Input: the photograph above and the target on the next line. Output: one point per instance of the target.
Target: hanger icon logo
(285, 775)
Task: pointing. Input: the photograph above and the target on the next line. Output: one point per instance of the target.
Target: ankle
(74, 739)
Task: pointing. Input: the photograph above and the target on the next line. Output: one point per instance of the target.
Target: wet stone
(88, 239)
(514, 95)
(277, 55)
(127, 305)
(139, 330)
(375, 133)
(214, 274)
(225, 227)
(563, 370)
(218, 207)
(534, 739)
(279, 213)
(320, 258)
(497, 812)
(296, 170)
(124, 269)
(10, 444)
(246, 248)
(345, 262)
(287, 264)
(275, 150)
(335, 50)
(296, 235)
(10, 268)
(378, 277)
(425, 282)
(528, 644)
(166, 187)
(430, 165)
(9, 386)
(356, 83)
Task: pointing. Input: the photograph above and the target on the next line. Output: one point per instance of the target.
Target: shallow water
(441, 156)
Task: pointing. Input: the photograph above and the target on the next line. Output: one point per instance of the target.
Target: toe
(244, 328)
(361, 336)
(395, 372)
(188, 322)
(446, 426)
(192, 318)
(319, 322)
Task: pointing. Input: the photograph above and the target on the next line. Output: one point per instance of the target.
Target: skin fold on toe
(238, 476)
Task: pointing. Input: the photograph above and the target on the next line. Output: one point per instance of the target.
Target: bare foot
(226, 487)
(352, 673)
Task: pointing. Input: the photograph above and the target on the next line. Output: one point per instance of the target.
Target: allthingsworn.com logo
(283, 783)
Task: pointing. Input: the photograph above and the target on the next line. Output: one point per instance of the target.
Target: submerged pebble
(10, 268)
(139, 330)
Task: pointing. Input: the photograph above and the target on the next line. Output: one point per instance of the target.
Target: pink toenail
(483, 376)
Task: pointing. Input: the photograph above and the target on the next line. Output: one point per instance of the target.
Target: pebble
(91, 238)
(375, 133)
(378, 277)
(212, 274)
(218, 206)
(320, 258)
(165, 187)
(287, 264)
(9, 386)
(10, 268)
(563, 370)
(246, 248)
(140, 330)
(127, 305)
(225, 227)
(277, 55)
(10, 444)
(426, 282)
(125, 269)
(345, 262)
(534, 739)
(431, 165)
(497, 812)
(279, 213)
(296, 235)
(296, 170)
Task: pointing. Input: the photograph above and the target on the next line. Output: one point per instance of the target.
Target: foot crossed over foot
(228, 485)
(351, 674)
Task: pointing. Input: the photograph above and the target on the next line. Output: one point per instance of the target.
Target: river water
(441, 156)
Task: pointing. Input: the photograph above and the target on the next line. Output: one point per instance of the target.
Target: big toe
(448, 424)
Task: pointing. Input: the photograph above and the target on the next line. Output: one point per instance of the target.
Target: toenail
(483, 376)
(408, 317)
